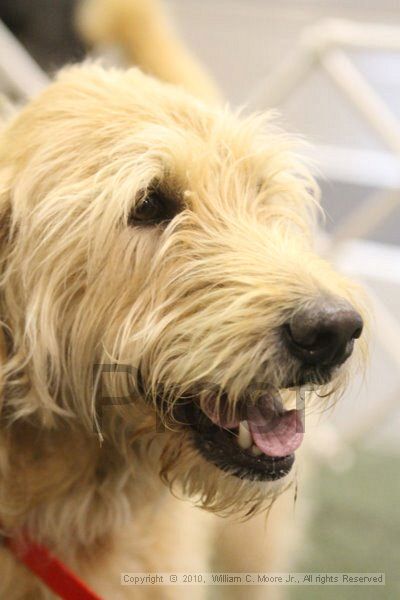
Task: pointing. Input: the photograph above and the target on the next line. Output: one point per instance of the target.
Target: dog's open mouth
(257, 442)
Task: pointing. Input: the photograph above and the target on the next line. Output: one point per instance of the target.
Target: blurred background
(332, 70)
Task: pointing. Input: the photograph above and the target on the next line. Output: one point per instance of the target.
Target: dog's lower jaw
(238, 463)
(191, 476)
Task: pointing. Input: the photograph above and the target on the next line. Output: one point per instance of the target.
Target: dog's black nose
(324, 334)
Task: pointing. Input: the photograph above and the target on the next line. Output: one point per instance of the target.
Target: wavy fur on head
(193, 303)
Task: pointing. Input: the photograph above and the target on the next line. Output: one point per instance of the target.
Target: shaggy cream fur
(196, 302)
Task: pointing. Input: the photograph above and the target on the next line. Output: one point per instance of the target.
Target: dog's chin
(311, 377)
(220, 449)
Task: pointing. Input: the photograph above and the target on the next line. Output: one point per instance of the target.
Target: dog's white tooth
(245, 439)
(255, 451)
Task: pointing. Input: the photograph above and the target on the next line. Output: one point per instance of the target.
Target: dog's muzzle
(255, 439)
(259, 439)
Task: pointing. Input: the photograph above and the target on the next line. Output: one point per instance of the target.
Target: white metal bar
(372, 261)
(21, 74)
(357, 166)
(349, 34)
(363, 96)
(280, 83)
(366, 217)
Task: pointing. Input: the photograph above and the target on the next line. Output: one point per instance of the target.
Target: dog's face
(149, 231)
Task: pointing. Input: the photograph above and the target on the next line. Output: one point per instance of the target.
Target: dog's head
(147, 231)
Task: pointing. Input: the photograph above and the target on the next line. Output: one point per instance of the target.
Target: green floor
(355, 528)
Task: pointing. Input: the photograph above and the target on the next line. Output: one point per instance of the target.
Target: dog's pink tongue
(275, 434)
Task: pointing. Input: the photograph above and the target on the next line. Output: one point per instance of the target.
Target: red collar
(50, 570)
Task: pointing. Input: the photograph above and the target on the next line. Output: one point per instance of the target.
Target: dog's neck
(54, 471)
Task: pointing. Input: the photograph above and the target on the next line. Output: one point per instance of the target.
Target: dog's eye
(154, 209)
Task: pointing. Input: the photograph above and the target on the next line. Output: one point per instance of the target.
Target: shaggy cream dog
(159, 295)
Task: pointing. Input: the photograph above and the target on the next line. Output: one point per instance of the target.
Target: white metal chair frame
(20, 75)
(324, 44)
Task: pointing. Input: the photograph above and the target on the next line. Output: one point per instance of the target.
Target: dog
(161, 307)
